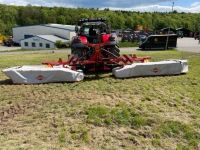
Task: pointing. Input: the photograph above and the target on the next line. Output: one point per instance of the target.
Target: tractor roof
(89, 21)
(94, 23)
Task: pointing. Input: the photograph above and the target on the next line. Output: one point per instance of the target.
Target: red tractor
(94, 48)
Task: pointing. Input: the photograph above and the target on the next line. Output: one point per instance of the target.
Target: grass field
(104, 112)
(128, 44)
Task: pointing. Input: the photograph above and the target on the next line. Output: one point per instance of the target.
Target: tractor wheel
(115, 51)
(111, 51)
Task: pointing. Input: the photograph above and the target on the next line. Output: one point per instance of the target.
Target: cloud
(195, 4)
(49, 3)
(85, 3)
(194, 8)
(14, 2)
(131, 5)
(159, 8)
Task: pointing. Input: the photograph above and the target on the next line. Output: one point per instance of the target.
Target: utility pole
(167, 40)
(199, 31)
(172, 6)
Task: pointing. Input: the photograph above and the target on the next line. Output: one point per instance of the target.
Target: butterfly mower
(94, 49)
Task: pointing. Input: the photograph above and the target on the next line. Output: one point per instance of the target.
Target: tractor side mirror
(76, 29)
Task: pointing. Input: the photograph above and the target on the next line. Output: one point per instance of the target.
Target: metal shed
(41, 42)
(59, 30)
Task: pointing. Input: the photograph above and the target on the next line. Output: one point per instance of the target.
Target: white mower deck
(168, 67)
(45, 74)
(42, 74)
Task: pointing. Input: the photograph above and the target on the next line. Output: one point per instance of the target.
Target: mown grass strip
(101, 115)
(175, 129)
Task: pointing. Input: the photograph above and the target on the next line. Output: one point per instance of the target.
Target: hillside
(11, 16)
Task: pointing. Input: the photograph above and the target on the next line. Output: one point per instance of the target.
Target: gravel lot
(183, 44)
(5, 48)
(188, 44)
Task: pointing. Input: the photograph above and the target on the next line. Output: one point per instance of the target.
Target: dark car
(9, 42)
(159, 42)
(127, 36)
(142, 37)
(168, 31)
(185, 32)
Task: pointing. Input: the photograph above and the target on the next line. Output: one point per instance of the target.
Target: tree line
(11, 16)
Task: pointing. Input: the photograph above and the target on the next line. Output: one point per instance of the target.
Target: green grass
(119, 115)
(32, 50)
(128, 44)
(174, 129)
(102, 112)
(98, 115)
(61, 136)
(80, 133)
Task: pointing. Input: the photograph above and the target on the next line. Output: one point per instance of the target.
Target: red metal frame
(101, 59)
(97, 58)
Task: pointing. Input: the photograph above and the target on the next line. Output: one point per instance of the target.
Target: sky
(192, 6)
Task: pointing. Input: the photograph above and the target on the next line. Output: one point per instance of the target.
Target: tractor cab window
(89, 30)
(85, 30)
(104, 28)
(93, 29)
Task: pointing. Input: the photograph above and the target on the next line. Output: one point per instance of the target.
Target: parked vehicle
(127, 36)
(196, 35)
(142, 37)
(168, 31)
(159, 42)
(8, 42)
(180, 34)
(185, 32)
(131, 36)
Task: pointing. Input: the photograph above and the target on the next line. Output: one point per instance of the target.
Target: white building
(41, 42)
(42, 34)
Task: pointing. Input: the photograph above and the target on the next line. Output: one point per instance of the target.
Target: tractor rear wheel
(113, 51)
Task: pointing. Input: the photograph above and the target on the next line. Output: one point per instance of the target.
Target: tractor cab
(93, 31)
(94, 39)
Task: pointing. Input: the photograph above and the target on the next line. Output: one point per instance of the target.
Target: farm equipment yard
(102, 112)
